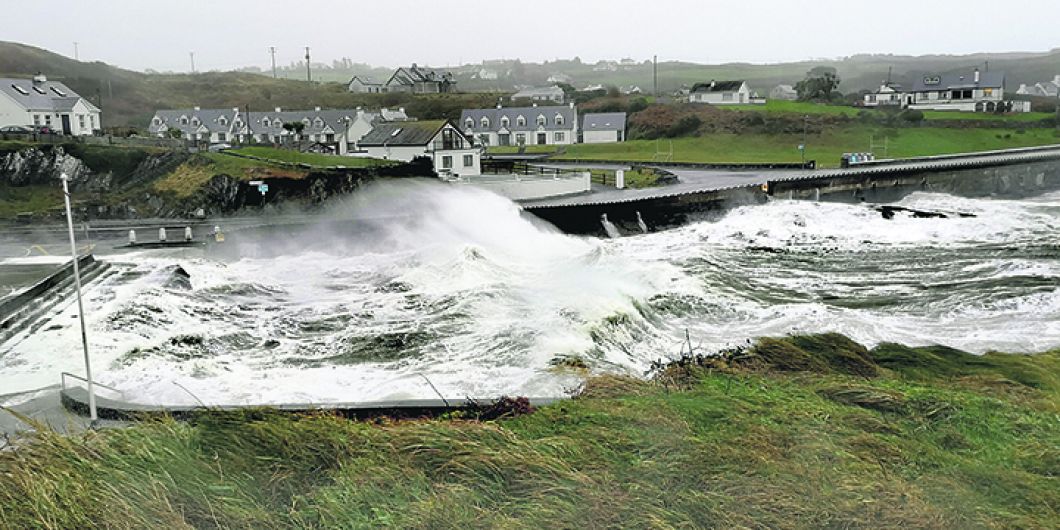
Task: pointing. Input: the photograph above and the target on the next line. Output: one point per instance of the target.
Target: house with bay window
(452, 153)
(43, 103)
(536, 125)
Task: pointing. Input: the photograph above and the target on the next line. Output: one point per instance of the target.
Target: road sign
(263, 188)
(256, 182)
(802, 147)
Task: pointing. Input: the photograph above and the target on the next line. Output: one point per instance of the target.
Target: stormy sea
(462, 288)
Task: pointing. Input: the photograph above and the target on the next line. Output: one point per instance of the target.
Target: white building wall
(740, 97)
(12, 113)
(599, 137)
(530, 188)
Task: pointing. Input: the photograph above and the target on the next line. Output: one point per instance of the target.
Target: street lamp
(80, 305)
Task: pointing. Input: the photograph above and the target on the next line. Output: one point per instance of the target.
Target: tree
(820, 84)
(295, 127)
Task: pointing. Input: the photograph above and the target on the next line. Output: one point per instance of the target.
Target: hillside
(801, 432)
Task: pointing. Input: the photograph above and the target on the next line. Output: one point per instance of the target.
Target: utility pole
(308, 74)
(272, 51)
(192, 55)
(655, 76)
(249, 137)
(77, 57)
(805, 122)
(80, 305)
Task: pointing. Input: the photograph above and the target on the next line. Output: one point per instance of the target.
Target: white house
(338, 129)
(721, 93)
(559, 77)
(969, 92)
(784, 92)
(418, 80)
(486, 74)
(888, 95)
(46, 103)
(452, 153)
(544, 95)
(364, 85)
(536, 125)
(1049, 89)
(604, 127)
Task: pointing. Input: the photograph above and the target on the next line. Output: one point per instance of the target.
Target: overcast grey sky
(141, 34)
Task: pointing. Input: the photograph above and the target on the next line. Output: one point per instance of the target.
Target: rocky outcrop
(40, 166)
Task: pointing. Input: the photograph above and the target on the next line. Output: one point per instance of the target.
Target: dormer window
(19, 89)
(520, 121)
(58, 92)
(195, 121)
(485, 122)
(305, 121)
(318, 122)
(541, 121)
(222, 120)
(183, 120)
(39, 90)
(157, 121)
(265, 122)
(469, 123)
(239, 124)
(505, 122)
(559, 119)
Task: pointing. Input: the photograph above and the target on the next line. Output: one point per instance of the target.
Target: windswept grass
(844, 438)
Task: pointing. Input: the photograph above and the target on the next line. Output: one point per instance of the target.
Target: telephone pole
(272, 51)
(76, 56)
(308, 74)
(192, 55)
(655, 75)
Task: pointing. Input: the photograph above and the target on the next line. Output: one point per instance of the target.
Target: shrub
(911, 116)
(685, 126)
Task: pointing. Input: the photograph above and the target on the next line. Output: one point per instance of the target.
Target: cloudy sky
(155, 34)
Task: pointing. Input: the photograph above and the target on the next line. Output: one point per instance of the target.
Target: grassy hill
(801, 432)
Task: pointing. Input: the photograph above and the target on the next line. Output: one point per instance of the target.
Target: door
(542, 138)
(504, 139)
(66, 124)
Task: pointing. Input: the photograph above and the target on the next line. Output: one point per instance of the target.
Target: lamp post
(802, 148)
(80, 305)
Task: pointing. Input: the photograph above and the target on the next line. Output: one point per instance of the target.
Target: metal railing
(64, 375)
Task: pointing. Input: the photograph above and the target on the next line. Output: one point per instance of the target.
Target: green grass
(35, 198)
(935, 115)
(798, 107)
(747, 442)
(826, 148)
(312, 159)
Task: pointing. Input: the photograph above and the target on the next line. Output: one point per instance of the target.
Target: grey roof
(266, 122)
(951, 81)
(604, 121)
(542, 91)
(418, 74)
(56, 96)
(718, 86)
(568, 113)
(402, 133)
(363, 80)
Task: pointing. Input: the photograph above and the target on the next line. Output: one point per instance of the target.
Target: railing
(514, 167)
(64, 375)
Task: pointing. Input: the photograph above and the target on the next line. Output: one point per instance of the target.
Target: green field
(806, 432)
(826, 148)
(775, 106)
(797, 107)
(312, 159)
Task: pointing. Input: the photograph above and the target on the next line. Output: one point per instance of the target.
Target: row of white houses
(45, 104)
(541, 125)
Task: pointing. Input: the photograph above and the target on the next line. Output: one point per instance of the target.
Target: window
(58, 92)
(20, 90)
(447, 162)
(93, 120)
(484, 139)
(80, 121)
(48, 119)
(469, 123)
(220, 137)
(559, 119)
(222, 120)
(318, 122)
(276, 138)
(157, 121)
(195, 121)
(330, 138)
(988, 92)
(520, 139)
(520, 121)
(183, 120)
(727, 96)
(238, 124)
(469, 160)
(36, 119)
(505, 122)
(265, 122)
(40, 91)
(559, 137)
(541, 121)
(485, 122)
(305, 121)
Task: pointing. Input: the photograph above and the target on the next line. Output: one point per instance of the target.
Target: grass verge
(812, 431)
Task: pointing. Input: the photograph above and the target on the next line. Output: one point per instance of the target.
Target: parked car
(16, 129)
(219, 147)
(42, 129)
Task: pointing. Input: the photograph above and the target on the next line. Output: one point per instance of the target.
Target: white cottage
(44, 103)
(721, 93)
(604, 127)
(969, 92)
(451, 152)
(536, 125)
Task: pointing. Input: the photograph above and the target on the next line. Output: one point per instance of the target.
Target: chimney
(197, 108)
(317, 109)
(39, 79)
(401, 110)
(976, 76)
(278, 109)
(572, 104)
(235, 109)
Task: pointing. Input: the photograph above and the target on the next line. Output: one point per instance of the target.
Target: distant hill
(129, 98)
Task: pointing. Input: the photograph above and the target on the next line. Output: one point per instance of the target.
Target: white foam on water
(461, 287)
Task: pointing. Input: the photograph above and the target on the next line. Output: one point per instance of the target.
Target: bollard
(620, 179)
(132, 237)
(162, 234)
(187, 233)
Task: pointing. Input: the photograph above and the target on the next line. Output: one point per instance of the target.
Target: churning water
(463, 288)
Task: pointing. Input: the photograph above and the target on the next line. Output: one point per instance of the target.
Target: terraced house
(545, 125)
(336, 130)
(43, 103)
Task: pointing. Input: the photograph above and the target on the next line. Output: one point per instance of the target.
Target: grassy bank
(803, 432)
(776, 106)
(826, 148)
